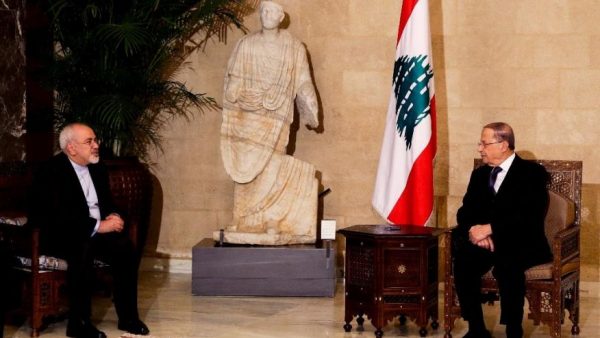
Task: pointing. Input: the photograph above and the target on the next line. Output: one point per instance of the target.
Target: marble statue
(275, 195)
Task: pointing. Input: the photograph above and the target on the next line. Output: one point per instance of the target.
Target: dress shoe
(478, 334)
(134, 326)
(83, 329)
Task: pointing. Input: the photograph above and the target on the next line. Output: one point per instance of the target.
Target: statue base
(253, 238)
(236, 270)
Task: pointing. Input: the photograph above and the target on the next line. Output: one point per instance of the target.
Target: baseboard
(184, 265)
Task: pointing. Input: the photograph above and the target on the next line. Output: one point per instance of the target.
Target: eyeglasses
(89, 142)
(483, 144)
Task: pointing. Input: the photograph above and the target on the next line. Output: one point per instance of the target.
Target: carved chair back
(552, 288)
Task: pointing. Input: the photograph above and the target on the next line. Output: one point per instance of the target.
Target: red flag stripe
(407, 8)
(419, 188)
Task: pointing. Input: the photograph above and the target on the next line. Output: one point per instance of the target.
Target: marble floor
(169, 309)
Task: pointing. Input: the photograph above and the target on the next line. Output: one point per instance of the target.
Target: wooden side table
(391, 271)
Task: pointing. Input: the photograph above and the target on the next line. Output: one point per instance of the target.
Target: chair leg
(557, 314)
(535, 306)
(36, 316)
(449, 303)
(574, 309)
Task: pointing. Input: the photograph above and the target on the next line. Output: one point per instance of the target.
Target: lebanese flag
(404, 186)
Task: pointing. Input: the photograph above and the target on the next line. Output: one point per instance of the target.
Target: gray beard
(94, 159)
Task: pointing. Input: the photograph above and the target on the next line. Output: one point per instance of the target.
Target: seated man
(500, 224)
(71, 203)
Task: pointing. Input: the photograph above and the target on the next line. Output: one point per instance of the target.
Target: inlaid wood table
(391, 271)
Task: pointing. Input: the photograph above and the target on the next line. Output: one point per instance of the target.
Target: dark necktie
(493, 176)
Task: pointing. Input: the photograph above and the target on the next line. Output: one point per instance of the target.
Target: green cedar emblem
(411, 87)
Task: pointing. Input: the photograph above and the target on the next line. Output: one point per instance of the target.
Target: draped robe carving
(275, 195)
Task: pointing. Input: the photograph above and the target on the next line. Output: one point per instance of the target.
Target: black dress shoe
(134, 326)
(478, 334)
(83, 329)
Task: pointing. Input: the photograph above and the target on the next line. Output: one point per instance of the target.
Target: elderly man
(72, 204)
(275, 195)
(500, 225)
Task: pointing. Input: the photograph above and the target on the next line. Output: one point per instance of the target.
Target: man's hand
(486, 243)
(112, 223)
(479, 232)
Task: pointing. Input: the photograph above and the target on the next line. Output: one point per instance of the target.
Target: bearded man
(72, 205)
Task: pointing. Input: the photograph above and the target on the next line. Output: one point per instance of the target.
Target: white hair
(269, 3)
(67, 134)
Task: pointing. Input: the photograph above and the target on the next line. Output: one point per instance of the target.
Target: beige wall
(532, 63)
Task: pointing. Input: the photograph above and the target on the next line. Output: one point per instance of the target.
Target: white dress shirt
(83, 173)
(502, 174)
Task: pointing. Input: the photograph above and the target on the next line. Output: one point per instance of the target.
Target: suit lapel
(99, 186)
(509, 178)
(72, 180)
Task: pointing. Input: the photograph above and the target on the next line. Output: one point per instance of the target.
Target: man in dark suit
(500, 225)
(72, 204)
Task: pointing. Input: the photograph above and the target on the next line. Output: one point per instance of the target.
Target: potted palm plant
(115, 61)
(114, 68)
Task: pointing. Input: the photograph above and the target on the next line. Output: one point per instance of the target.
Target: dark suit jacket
(516, 213)
(59, 208)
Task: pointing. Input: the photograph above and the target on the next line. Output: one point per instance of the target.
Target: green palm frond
(130, 36)
(115, 61)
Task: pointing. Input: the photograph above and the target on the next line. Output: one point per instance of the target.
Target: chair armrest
(35, 251)
(565, 249)
(24, 241)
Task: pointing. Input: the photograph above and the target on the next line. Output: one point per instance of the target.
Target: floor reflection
(169, 309)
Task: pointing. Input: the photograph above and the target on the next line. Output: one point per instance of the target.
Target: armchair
(42, 284)
(40, 288)
(553, 287)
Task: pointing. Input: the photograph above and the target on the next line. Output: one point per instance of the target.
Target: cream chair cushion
(560, 216)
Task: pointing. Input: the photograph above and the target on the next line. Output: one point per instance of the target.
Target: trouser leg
(117, 250)
(511, 282)
(470, 263)
(80, 279)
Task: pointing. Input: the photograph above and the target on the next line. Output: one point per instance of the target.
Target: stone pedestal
(295, 270)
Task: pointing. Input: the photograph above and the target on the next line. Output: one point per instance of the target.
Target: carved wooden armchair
(553, 287)
(40, 288)
(43, 284)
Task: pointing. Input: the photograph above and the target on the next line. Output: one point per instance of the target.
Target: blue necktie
(492, 180)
